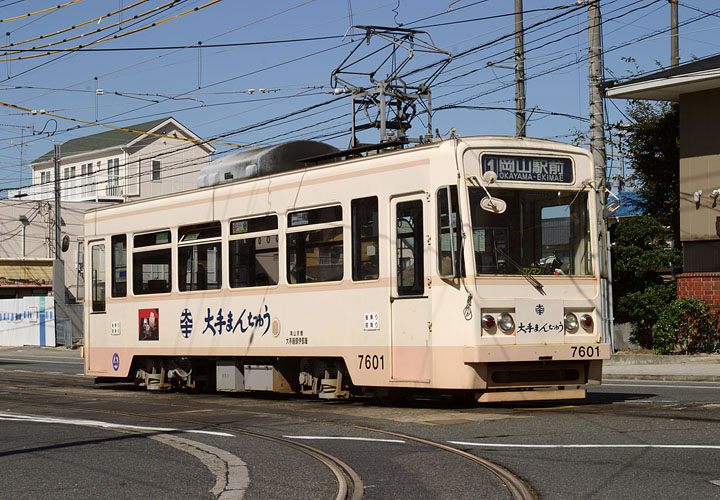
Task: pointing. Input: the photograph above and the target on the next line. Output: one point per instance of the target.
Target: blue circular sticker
(116, 362)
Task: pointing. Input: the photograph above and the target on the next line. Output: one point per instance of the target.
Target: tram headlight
(488, 322)
(586, 321)
(506, 323)
(571, 322)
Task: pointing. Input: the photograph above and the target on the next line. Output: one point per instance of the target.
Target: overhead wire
(114, 37)
(75, 26)
(43, 11)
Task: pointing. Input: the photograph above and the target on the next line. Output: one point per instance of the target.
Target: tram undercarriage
(328, 378)
(324, 378)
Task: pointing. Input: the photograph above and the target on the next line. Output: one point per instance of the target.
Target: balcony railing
(81, 188)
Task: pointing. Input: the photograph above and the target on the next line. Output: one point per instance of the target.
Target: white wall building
(139, 161)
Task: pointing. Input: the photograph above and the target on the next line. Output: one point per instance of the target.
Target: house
(696, 87)
(138, 161)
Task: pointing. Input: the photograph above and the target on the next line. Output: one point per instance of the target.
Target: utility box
(265, 378)
(228, 376)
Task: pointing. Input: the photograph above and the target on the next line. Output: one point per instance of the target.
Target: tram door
(410, 297)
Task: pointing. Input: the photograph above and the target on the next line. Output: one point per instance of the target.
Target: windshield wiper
(535, 283)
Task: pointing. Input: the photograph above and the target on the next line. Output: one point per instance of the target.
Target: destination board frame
(557, 170)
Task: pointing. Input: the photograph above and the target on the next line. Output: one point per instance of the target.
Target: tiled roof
(102, 140)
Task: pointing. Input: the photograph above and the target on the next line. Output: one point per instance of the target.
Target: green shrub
(686, 325)
(645, 307)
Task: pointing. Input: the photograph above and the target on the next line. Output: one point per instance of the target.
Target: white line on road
(664, 386)
(231, 473)
(347, 438)
(104, 425)
(514, 445)
(44, 360)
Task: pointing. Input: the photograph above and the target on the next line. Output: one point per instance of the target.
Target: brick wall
(701, 286)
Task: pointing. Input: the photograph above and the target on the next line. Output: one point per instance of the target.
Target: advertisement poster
(149, 322)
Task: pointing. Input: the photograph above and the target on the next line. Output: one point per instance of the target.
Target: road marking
(664, 386)
(231, 473)
(514, 445)
(347, 438)
(28, 360)
(547, 408)
(180, 412)
(104, 425)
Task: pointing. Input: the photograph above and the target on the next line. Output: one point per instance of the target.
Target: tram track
(516, 487)
(350, 484)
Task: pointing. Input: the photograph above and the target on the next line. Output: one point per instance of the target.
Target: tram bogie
(468, 266)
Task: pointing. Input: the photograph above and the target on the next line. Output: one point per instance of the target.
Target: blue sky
(207, 89)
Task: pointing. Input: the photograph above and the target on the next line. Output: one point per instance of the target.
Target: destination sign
(528, 168)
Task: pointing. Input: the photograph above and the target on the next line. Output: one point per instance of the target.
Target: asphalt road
(627, 440)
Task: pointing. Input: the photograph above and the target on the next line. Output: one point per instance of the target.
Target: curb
(660, 378)
(657, 359)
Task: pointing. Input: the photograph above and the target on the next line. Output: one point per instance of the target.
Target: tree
(640, 255)
(653, 148)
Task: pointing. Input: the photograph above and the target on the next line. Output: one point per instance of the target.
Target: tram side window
(119, 266)
(410, 267)
(151, 263)
(315, 245)
(97, 263)
(365, 240)
(254, 255)
(449, 238)
(199, 257)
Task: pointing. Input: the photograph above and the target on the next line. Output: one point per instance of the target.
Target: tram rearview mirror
(610, 208)
(493, 205)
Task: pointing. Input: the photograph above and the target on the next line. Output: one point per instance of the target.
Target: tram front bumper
(530, 352)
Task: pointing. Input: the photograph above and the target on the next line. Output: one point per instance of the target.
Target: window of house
(200, 257)
(118, 260)
(152, 263)
(113, 177)
(97, 264)
(254, 255)
(365, 240)
(156, 170)
(45, 177)
(315, 245)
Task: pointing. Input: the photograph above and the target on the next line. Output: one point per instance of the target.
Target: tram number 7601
(591, 351)
(371, 362)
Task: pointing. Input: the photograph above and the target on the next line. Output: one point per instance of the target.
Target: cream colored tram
(467, 266)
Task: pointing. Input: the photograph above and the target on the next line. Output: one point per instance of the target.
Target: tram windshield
(540, 233)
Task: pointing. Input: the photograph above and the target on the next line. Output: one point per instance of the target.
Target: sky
(205, 62)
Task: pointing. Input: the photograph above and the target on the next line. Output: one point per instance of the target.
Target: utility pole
(519, 71)
(58, 265)
(597, 148)
(674, 43)
(597, 115)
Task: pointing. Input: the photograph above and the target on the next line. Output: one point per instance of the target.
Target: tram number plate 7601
(373, 362)
(591, 351)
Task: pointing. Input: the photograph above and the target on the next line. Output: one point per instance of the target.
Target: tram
(465, 266)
